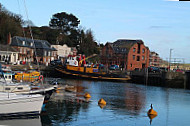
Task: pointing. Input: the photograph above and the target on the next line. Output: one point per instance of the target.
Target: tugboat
(76, 66)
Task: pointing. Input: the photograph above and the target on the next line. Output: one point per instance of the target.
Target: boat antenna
(35, 52)
(30, 29)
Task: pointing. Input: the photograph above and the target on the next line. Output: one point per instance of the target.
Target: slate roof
(54, 49)
(38, 44)
(7, 48)
(124, 45)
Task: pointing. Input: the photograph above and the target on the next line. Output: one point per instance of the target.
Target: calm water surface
(127, 104)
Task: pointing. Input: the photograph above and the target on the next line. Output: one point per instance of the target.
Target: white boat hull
(11, 104)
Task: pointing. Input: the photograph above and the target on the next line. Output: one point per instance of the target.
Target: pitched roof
(27, 42)
(124, 45)
(7, 48)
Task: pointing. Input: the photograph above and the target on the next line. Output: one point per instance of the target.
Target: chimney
(9, 39)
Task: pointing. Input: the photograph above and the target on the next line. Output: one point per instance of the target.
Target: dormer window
(23, 42)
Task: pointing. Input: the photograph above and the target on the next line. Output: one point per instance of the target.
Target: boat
(35, 87)
(7, 73)
(14, 87)
(28, 76)
(26, 89)
(77, 67)
(12, 104)
(70, 88)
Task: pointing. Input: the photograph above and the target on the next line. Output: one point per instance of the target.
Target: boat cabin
(72, 60)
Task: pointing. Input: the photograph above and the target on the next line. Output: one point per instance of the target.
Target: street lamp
(170, 58)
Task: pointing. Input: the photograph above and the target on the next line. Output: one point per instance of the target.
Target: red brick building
(128, 54)
(154, 59)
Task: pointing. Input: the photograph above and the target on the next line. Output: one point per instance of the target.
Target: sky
(161, 24)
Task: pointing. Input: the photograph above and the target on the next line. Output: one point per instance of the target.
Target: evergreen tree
(9, 23)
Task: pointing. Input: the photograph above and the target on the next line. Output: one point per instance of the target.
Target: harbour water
(127, 104)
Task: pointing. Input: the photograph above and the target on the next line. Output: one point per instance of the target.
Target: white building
(8, 54)
(63, 50)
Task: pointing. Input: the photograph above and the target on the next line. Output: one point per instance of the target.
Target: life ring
(41, 77)
(75, 62)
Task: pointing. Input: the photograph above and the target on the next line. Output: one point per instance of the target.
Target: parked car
(114, 67)
(153, 69)
(179, 70)
(163, 69)
(56, 62)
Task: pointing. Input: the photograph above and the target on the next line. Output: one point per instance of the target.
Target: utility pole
(170, 58)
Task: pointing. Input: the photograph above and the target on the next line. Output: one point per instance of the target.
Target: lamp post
(170, 58)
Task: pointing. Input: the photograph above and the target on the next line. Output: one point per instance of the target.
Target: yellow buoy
(87, 95)
(152, 112)
(152, 116)
(102, 105)
(102, 101)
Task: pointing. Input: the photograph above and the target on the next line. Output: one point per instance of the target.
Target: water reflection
(21, 121)
(123, 98)
(127, 104)
(64, 107)
(151, 117)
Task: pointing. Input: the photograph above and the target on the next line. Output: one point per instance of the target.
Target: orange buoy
(102, 101)
(102, 105)
(152, 111)
(87, 95)
(151, 114)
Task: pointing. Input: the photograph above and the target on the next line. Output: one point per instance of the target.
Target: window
(44, 53)
(139, 47)
(131, 65)
(134, 49)
(7, 88)
(20, 88)
(133, 57)
(143, 51)
(138, 58)
(31, 44)
(23, 42)
(142, 57)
